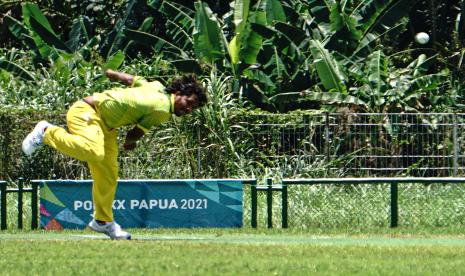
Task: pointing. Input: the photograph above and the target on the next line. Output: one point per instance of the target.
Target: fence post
(20, 202)
(34, 204)
(253, 196)
(269, 202)
(306, 133)
(284, 205)
(456, 149)
(199, 150)
(394, 204)
(327, 142)
(3, 204)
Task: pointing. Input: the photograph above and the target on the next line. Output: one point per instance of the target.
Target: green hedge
(14, 126)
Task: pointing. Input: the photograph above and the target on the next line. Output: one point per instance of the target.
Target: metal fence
(360, 202)
(20, 192)
(315, 145)
(335, 145)
(317, 203)
(349, 144)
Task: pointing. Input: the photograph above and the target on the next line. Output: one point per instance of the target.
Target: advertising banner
(145, 203)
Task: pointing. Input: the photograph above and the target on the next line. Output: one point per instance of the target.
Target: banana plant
(458, 50)
(178, 44)
(385, 88)
(209, 40)
(5, 5)
(324, 37)
(212, 46)
(34, 19)
(274, 47)
(15, 69)
(353, 31)
(38, 35)
(245, 44)
(133, 17)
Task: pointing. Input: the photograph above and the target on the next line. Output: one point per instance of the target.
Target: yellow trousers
(89, 140)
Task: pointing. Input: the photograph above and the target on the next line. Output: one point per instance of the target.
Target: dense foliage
(278, 56)
(281, 55)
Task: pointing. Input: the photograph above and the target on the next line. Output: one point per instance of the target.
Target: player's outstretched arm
(124, 78)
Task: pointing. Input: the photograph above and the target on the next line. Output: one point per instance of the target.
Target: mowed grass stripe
(282, 238)
(90, 256)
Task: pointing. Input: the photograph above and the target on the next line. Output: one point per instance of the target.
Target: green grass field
(234, 252)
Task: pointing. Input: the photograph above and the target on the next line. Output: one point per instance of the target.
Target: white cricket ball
(422, 38)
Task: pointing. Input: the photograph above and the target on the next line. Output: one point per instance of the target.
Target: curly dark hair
(188, 85)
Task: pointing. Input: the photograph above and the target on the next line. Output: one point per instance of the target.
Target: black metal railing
(402, 201)
(19, 191)
(317, 202)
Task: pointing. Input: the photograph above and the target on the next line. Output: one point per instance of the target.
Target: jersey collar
(172, 103)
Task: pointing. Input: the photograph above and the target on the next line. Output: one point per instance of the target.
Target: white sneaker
(33, 140)
(111, 229)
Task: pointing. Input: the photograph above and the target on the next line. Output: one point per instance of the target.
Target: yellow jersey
(145, 104)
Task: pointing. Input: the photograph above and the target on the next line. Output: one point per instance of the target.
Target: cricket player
(92, 132)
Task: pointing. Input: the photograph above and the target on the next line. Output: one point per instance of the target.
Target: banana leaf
(265, 81)
(241, 13)
(252, 41)
(209, 41)
(294, 34)
(376, 70)
(283, 39)
(291, 14)
(460, 23)
(177, 11)
(131, 19)
(422, 64)
(274, 11)
(80, 33)
(32, 11)
(327, 67)
(178, 35)
(48, 37)
(320, 9)
(242, 31)
(380, 15)
(153, 41)
(19, 31)
(264, 31)
(322, 97)
(179, 24)
(428, 82)
(16, 69)
(115, 61)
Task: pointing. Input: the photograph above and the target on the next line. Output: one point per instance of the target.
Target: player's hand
(132, 137)
(129, 145)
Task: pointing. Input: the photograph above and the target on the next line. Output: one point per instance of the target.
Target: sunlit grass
(233, 252)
